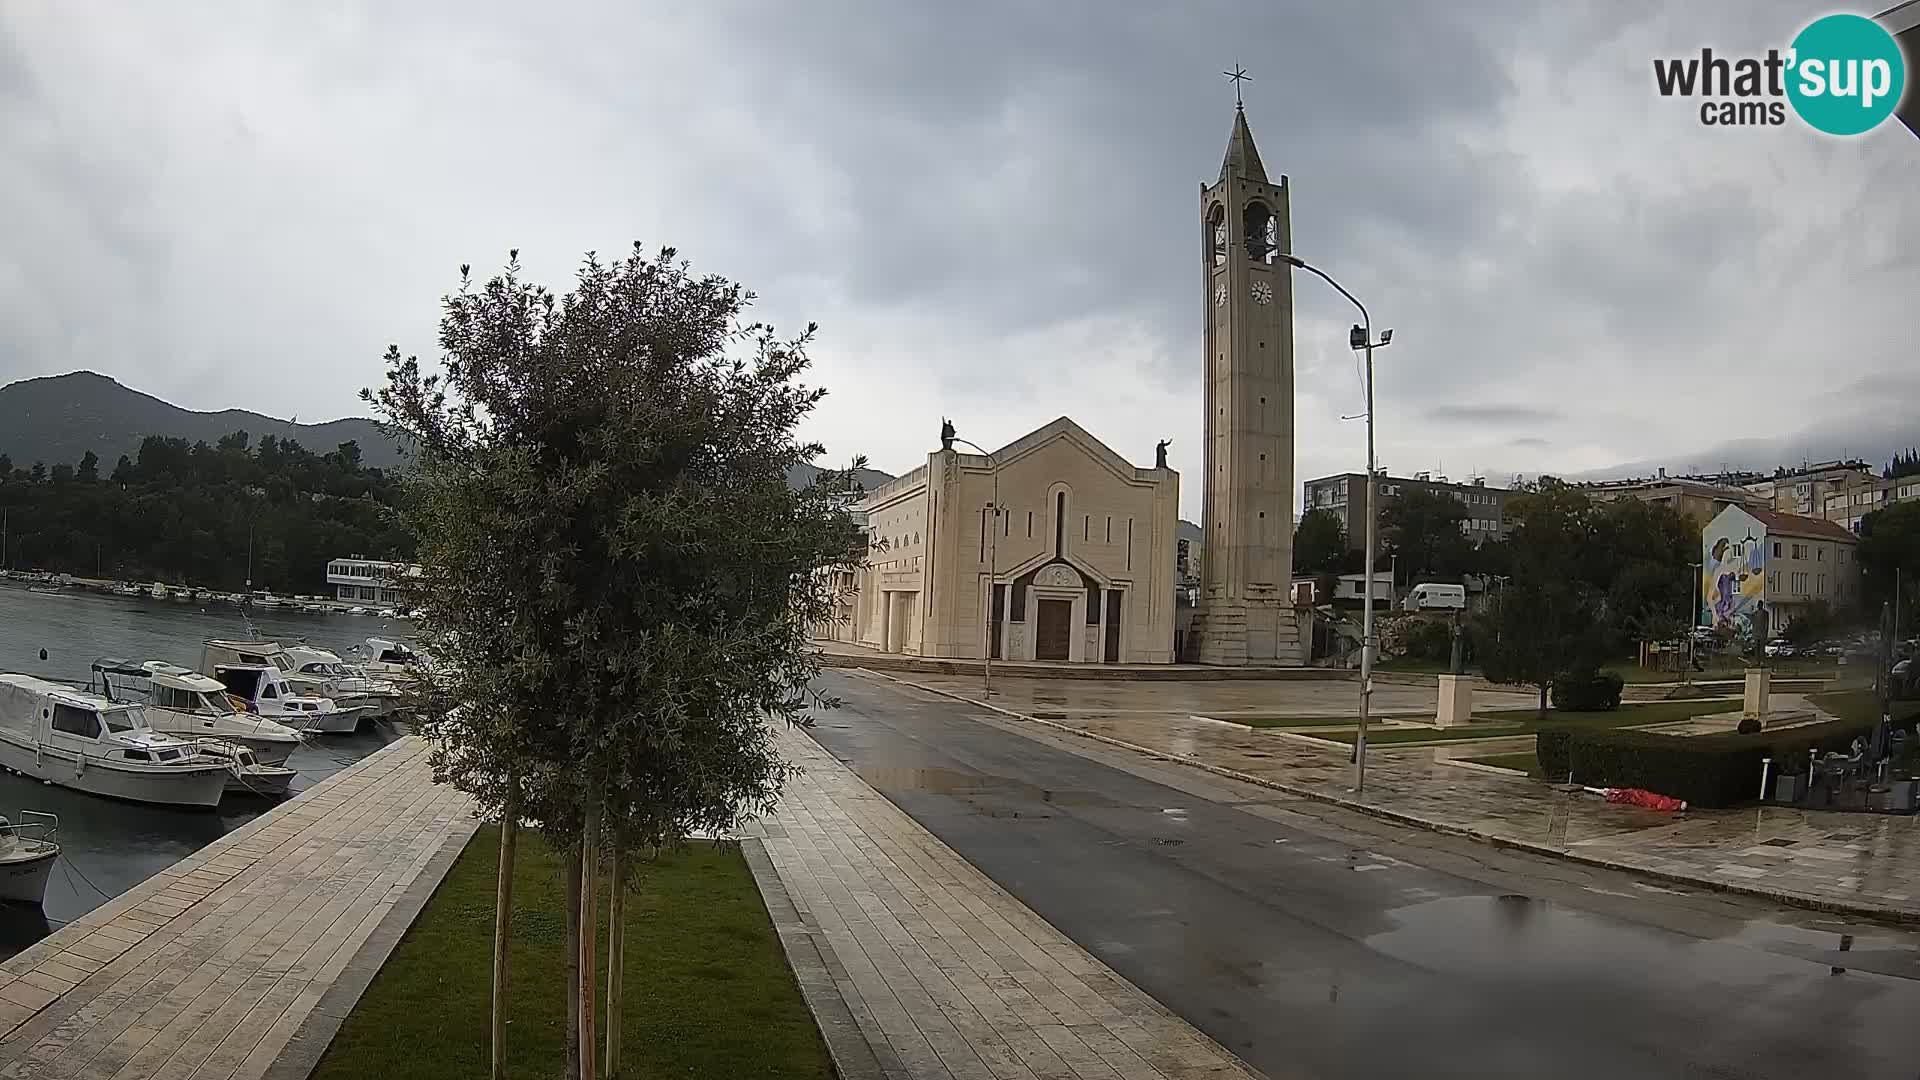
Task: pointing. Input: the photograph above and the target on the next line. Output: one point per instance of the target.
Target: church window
(1029, 524)
(1109, 528)
(1217, 231)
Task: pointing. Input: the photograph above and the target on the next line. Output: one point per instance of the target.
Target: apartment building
(1344, 496)
(1849, 504)
(1693, 497)
(1804, 491)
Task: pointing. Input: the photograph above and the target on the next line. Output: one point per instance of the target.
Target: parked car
(1901, 683)
(1780, 649)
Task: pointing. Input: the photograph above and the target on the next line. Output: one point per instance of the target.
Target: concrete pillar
(1456, 701)
(1759, 687)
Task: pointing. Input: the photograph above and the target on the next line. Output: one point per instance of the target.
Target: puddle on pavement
(1497, 936)
(940, 781)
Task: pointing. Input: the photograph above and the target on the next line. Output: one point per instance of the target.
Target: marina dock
(240, 960)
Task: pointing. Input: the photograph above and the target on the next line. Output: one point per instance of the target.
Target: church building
(1056, 548)
(1051, 548)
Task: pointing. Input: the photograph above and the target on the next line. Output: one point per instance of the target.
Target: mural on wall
(1734, 576)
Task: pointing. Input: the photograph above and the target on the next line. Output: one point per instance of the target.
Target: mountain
(61, 417)
(802, 474)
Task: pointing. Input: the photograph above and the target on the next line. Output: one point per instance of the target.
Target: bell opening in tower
(1217, 229)
(1263, 233)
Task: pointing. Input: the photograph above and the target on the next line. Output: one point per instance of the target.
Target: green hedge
(1705, 770)
(1588, 692)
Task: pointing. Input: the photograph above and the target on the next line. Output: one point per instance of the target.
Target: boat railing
(34, 828)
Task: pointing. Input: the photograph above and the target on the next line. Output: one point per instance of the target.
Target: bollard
(1766, 766)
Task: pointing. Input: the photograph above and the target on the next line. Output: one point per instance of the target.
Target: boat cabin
(163, 686)
(62, 717)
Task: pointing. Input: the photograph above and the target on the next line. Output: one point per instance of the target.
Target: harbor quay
(241, 958)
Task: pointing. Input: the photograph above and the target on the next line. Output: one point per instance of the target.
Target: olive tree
(618, 578)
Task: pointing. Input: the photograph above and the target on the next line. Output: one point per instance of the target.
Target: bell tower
(1245, 613)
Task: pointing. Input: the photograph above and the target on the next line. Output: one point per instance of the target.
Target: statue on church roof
(1160, 453)
(946, 434)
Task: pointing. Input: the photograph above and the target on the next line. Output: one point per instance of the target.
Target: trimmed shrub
(1591, 691)
(1705, 770)
(1749, 725)
(1552, 747)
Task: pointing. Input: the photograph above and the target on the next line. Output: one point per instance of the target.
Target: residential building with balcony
(370, 581)
(1344, 496)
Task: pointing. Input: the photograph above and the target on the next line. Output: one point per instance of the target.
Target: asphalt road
(1317, 942)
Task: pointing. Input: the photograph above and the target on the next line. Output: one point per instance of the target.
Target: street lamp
(1361, 337)
(993, 566)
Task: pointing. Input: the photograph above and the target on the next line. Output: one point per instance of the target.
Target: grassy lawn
(1502, 724)
(1524, 762)
(707, 990)
(1721, 668)
(1289, 721)
(1862, 705)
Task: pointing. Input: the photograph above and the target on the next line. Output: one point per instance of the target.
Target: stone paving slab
(944, 972)
(206, 969)
(1855, 864)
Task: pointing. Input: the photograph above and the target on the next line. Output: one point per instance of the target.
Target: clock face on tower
(1219, 295)
(1262, 292)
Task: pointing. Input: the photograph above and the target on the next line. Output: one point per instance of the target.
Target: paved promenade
(945, 973)
(1865, 864)
(209, 968)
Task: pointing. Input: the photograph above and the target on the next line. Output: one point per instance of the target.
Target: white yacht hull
(266, 749)
(264, 780)
(23, 879)
(175, 785)
(338, 722)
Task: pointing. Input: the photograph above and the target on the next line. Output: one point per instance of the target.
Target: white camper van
(1433, 596)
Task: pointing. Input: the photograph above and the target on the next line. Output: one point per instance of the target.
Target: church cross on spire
(1237, 76)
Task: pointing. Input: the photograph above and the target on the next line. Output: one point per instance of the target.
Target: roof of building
(1795, 525)
(1241, 153)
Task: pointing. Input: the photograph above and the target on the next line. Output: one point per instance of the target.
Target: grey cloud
(1006, 186)
(1469, 413)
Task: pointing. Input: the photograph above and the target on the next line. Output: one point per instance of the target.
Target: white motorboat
(27, 855)
(262, 690)
(322, 671)
(191, 705)
(83, 741)
(387, 659)
(248, 776)
(311, 672)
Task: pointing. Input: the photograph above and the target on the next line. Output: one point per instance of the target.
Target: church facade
(1056, 548)
(1053, 547)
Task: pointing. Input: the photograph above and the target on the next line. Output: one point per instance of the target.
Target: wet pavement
(1313, 941)
(1833, 861)
(1250, 699)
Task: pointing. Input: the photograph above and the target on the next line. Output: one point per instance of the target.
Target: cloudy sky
(988, 207)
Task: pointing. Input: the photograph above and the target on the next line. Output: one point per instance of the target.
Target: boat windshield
(280, 661)
(126, 718)
(216, 703)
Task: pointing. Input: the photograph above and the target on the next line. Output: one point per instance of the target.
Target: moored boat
(191, 705)
(27, 854)
(262, 690)
(83, 741)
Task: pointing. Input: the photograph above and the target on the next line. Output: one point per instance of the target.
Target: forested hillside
(185, 513)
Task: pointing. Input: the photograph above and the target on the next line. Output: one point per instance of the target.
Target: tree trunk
(503, 928)
(616, 959)
(589, 936)
(573, 967)
(1543, 699)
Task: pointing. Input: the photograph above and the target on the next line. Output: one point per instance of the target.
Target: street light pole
(993, 570)
(1361, 337)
